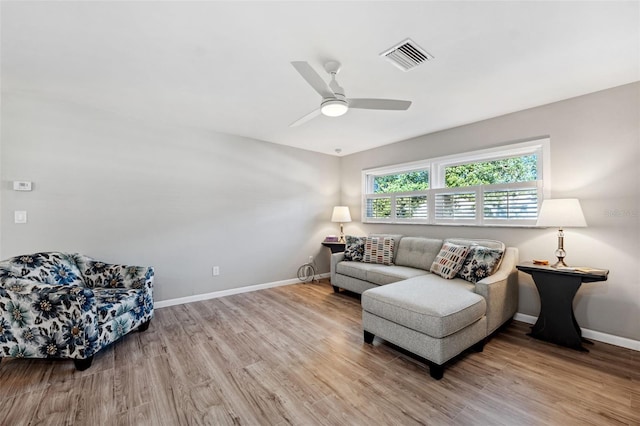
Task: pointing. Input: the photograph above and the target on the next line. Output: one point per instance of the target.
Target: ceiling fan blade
(312, 77)
(386, 104)
(312, 114)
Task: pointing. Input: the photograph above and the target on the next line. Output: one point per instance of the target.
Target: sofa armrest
(47, 321)
(335, 259)
(500, 290)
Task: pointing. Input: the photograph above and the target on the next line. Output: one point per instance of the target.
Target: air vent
(407, 55)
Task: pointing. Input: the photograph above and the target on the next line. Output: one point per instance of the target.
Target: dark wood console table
(334, 246)
(557, 288)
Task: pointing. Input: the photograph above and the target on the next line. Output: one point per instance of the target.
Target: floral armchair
(59, 305)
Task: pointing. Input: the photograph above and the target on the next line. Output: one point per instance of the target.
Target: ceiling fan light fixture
(334, 108)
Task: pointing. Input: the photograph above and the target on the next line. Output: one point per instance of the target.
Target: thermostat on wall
(21, 185)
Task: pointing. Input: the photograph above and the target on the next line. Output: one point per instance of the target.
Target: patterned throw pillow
(480, 263)
(354, 248)
(449, 261)
(378, 250)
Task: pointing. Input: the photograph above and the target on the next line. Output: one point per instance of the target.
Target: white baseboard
(590, 334)
(229, 292)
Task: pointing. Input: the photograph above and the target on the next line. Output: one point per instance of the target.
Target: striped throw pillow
(378, 250)
(449, 261)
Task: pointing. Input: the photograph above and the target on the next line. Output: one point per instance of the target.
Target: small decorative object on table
(331, 239)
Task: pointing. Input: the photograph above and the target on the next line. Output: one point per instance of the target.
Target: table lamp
(341, 214)
(561, 213)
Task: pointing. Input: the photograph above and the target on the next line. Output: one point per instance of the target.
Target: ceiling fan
(334, 102)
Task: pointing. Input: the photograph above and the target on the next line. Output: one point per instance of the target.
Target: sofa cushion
(427, 304)
(355, 269)
(378, 250)
(390, 274)
(449, 261)
(417, 252)
(354, 248)
(480, 263)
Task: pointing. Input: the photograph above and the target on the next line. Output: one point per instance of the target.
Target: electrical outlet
(216, 271)
(310, 259)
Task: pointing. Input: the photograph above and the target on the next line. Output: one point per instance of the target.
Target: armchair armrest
(137, 276)
(500, 290)
(100, 274)
(42, 320)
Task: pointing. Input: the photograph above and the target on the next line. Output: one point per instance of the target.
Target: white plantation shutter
(512, 202)
(378, 208)
(407, 207)
(413, 207)
(455, 206)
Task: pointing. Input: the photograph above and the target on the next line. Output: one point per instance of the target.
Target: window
(499, 186)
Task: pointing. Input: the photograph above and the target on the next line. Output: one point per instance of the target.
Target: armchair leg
(83, 364)
(144, 326)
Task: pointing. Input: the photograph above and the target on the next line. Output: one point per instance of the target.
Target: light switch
(20, 216)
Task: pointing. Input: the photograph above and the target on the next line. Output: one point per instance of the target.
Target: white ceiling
(225, 66)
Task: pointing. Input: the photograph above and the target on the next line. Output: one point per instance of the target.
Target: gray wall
(182, 200)
(595, 150)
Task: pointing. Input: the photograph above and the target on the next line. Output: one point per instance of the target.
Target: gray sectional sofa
(433, 317)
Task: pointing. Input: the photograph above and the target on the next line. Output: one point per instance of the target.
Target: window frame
(436, 171)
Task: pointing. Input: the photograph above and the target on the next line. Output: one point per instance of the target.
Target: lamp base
(342, 239)
(560, 253)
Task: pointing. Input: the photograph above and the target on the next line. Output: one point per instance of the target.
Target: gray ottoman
(434, 318)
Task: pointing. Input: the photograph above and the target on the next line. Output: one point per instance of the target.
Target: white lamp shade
(341, 214)
(561, 213)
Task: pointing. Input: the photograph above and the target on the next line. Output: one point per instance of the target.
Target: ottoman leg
(479, 347)
(368, 337)
(436, 370)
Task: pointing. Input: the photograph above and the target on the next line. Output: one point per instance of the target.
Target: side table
(557, 288)
(335, 247)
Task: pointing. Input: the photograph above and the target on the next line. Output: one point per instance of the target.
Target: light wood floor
(295, 355)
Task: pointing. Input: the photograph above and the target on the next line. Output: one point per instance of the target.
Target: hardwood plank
(21, 376)
(18, 410)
